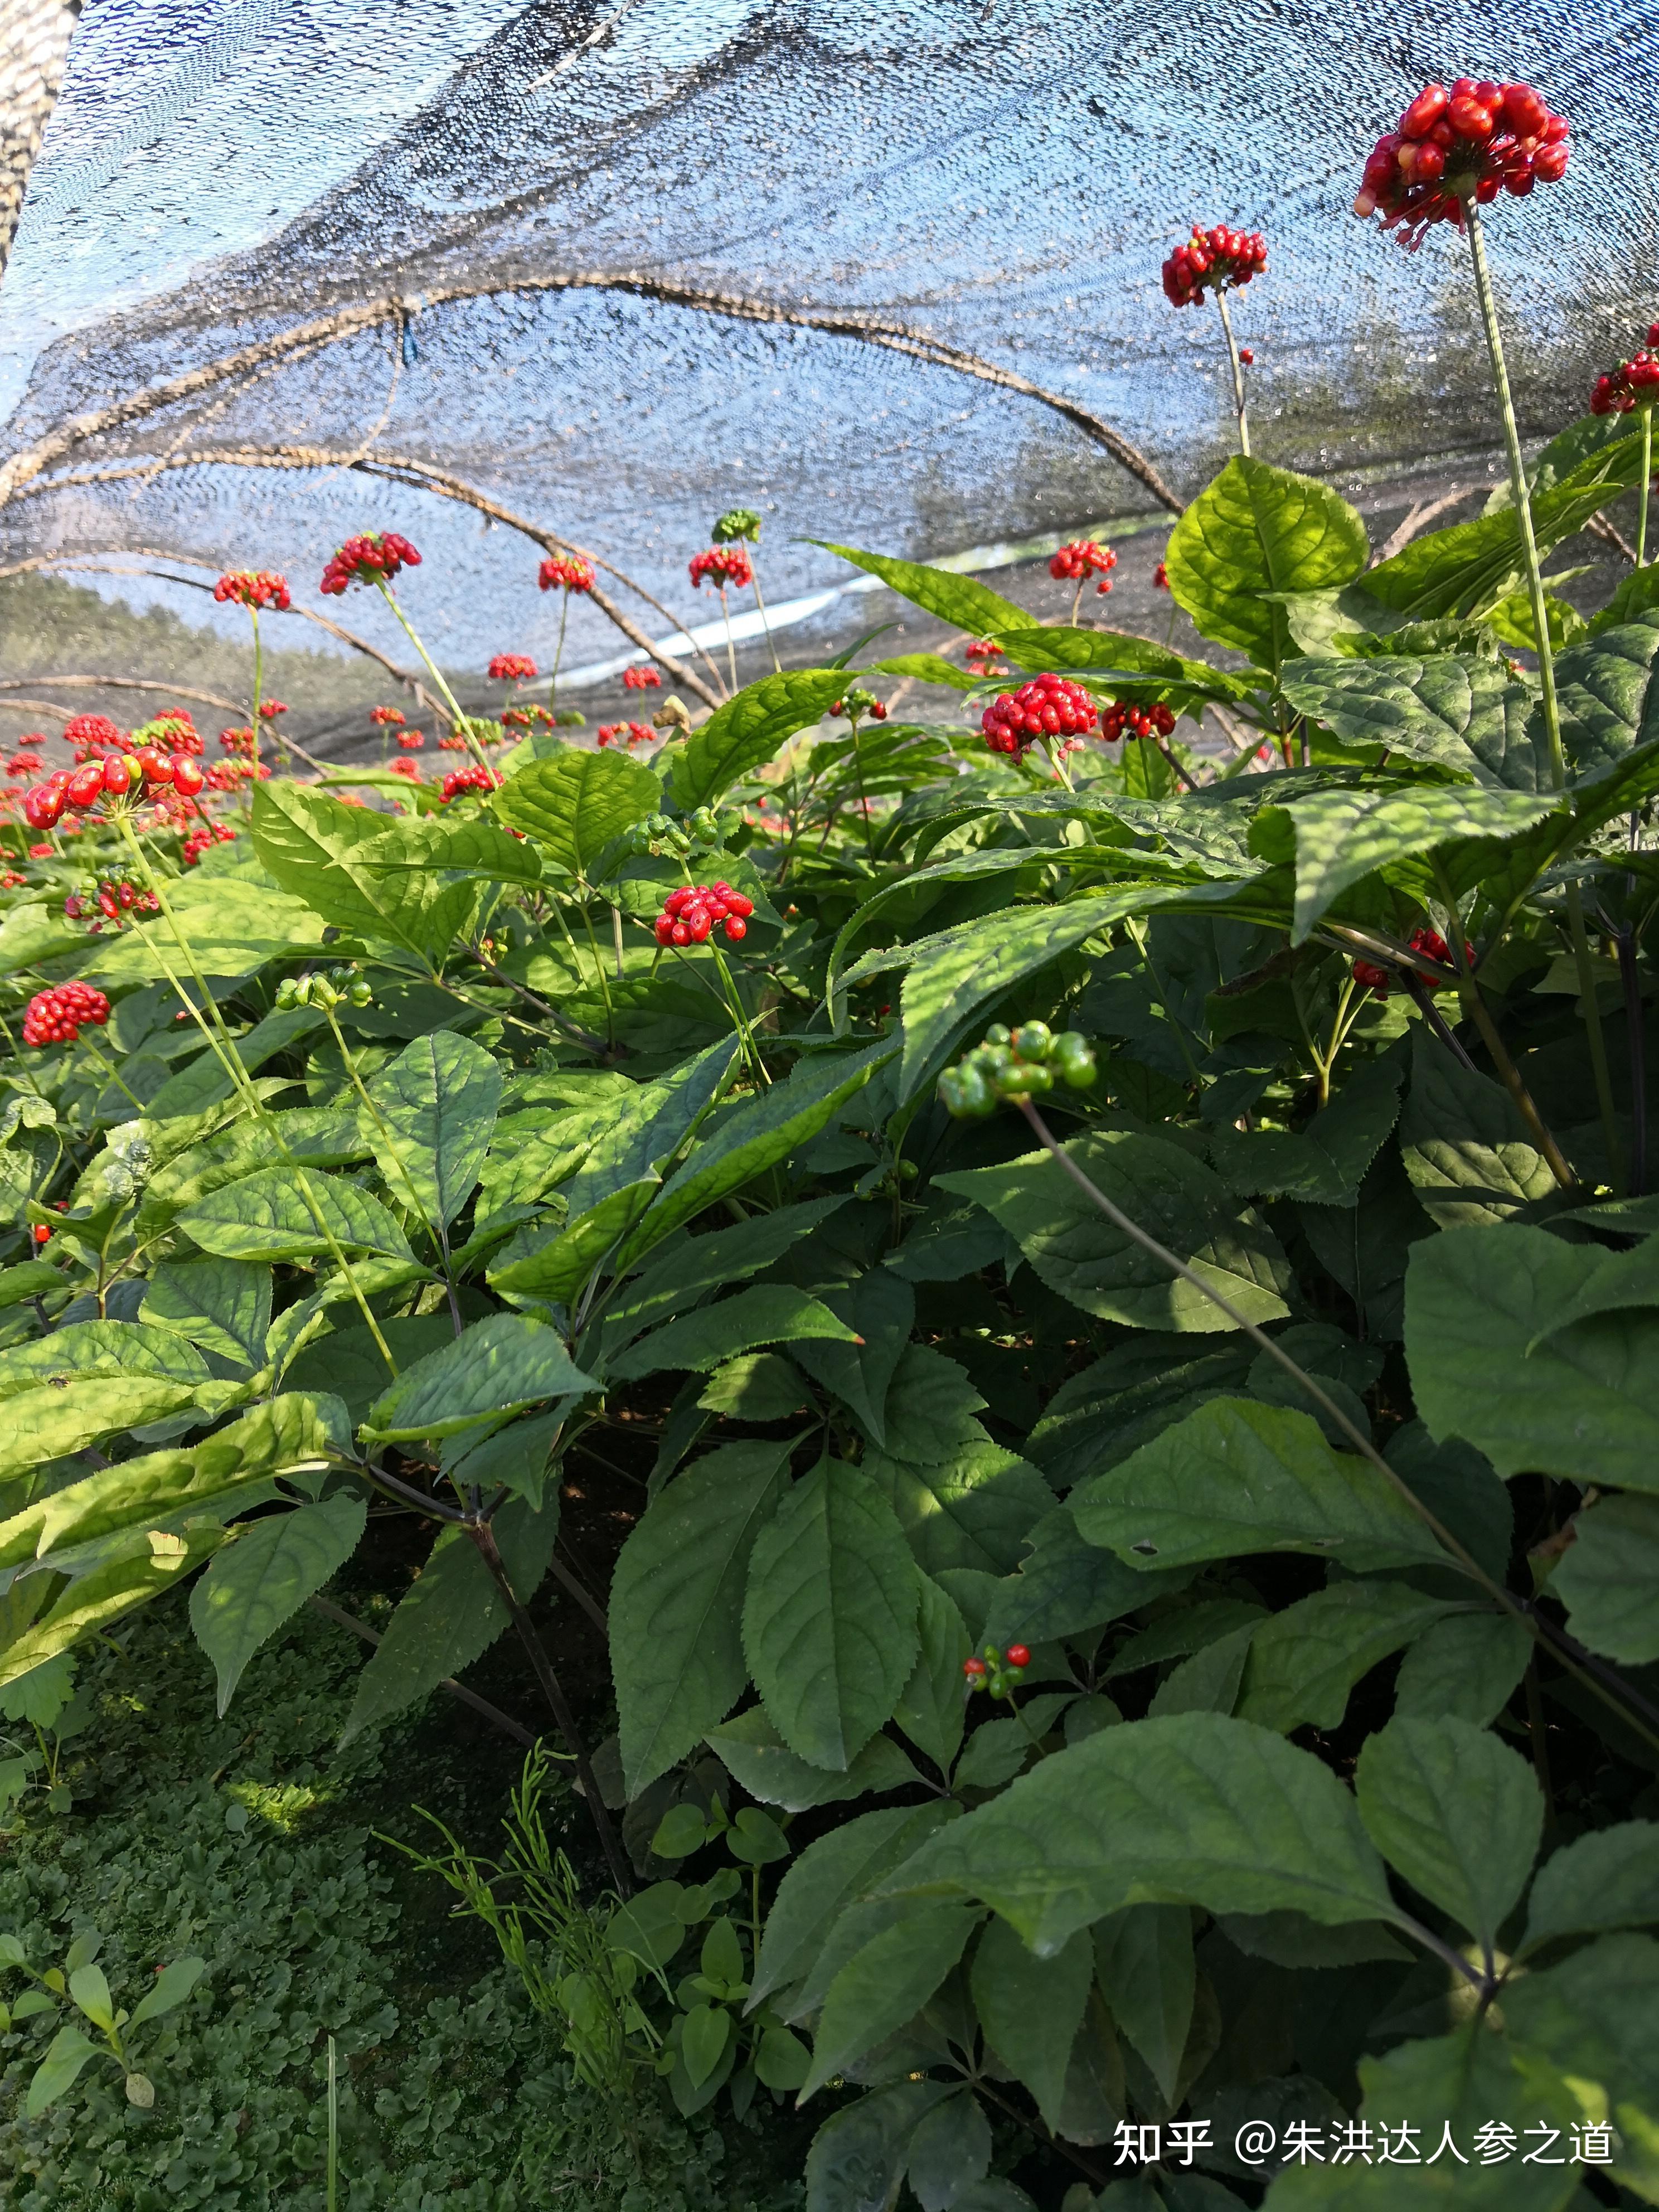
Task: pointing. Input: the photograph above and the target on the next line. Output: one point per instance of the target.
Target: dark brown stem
(1041, 2133)
(1436, 1020)
(1509, 1076)
(1636, 1046)
(573, 1587)
(572, 1029)
(1174, 765)
(489, 1552)
(1541, 1751)
(493, 1714)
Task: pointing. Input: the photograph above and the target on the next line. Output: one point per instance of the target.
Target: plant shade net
(510, 190)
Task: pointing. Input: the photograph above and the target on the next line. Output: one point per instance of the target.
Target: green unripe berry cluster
(702, 831)
(738, 522)
(340, 984)
(1015, 1064)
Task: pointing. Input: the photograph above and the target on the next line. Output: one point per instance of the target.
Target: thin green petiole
(110, 1070)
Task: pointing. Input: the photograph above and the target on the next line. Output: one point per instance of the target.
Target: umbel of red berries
(1083, 558)
(118, 776)
(641, 679)
(475, 778)
(566, 572)
(722, 565)
(1633, 384)
(373, 557)
(255, 589)
(1141, 722)
(689, 916)
(512, 668)
(1213, 261)
(1050, 706)
(58, 1016)
(1430, 942)
(1468, 143)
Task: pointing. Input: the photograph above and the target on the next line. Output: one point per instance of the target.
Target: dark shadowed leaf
(1079, 1252)
(1195, 1810)
(676, 1604)
(830, 1621)
(1455, 1810)
(1235, 1478)
(252, 1585)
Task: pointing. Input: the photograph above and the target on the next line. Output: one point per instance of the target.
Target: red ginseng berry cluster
(1083, 558)
(1141, 722)
(58, 1017)
(1429, 942)
(1050, 706)
(1633, 384)
(116, 777)
(638, 734)
(475, 778)
(386, 717)
(566, 572)
(410, 741)
(980, 652)
(1469, 143)
(205, 834)
(1215, 260)
(372, 557)
(254, 588)
(512, 668)
(689, 916)
(26, 763)
(238, 741)
(722, 565)
(111, 901)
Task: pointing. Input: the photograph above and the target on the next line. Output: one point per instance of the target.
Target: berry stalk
(1647, 486)
(771, 643)
(1238, 373)
(1521, 496)
(461, 723)
(730, 649)
(259, 679)
(1519, 492)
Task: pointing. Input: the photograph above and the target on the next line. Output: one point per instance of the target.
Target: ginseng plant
(1452, 153)
(1218, 261)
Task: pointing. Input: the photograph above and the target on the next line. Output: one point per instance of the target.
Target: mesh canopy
(552, 251)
